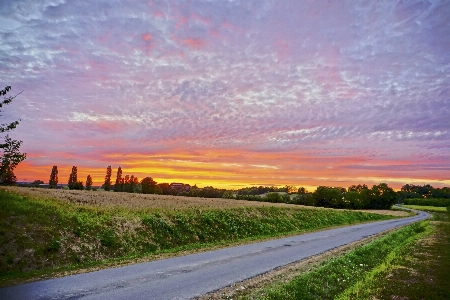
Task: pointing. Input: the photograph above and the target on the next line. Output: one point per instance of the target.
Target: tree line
(359, 196)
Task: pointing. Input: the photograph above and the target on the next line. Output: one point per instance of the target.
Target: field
(138, 201)
(427, 208)
(46, 233)
(151, 203)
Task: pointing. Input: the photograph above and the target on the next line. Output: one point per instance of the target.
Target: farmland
(51, 232)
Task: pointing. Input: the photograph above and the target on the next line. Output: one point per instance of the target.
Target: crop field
(158, 202)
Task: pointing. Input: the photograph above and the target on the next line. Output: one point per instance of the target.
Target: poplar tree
(73, 178)
(119, 181)
(53, 182)
(88, 182)
(107, 184)
(126, 184)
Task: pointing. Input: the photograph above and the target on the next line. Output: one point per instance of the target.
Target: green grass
(419, 270)
(410, 263)
(427, 208)
(345, 274)
(41, 236)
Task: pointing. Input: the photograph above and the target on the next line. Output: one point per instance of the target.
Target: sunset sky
(231, 93)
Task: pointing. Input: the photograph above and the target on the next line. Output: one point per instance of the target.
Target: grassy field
(45, 233)
(420, 269)
(427, 208)
(410, 263)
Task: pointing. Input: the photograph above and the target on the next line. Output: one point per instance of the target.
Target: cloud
(327, 81)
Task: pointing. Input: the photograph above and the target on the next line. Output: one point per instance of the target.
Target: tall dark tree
(126, 184)
(11, 155)
(88, 182)
(53, 182)
(107, 184)
(73, 178)
(134, 184)
(119, 181)
(73, 183)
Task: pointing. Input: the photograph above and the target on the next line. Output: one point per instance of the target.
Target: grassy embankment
(410, 263)
(42, 237)
(427, 208)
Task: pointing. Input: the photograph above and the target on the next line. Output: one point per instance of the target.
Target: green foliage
(118, 185)
(54, 245)
(378, 197)
(427, 208)
(107, 183)
(6, 101)
(329, 197)
(411, 191)
(442, 202)
(256, 190)
(108, 238)
(131, 184)
(73, 182)
(273, 198)
(89, 183)
(53, 182)
(9, 160)
(228, 195)
(249, 197)
(149, 186)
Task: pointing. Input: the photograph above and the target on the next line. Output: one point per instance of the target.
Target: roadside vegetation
(40, 236)
(410, 263)
(427, 208)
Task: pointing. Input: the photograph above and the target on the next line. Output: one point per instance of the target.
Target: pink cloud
(147, 37)
(194, 43)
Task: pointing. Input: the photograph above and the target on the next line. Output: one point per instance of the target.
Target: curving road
(194, 275)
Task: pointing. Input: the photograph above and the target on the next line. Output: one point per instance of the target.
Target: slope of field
(43, 231)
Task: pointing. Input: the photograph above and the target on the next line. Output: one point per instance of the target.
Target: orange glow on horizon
(222, 169)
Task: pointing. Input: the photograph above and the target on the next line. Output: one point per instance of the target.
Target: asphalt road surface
(189, 276)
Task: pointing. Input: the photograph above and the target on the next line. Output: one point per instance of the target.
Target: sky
(231, 93)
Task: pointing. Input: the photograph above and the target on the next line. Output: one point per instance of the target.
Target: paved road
(194, 275)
